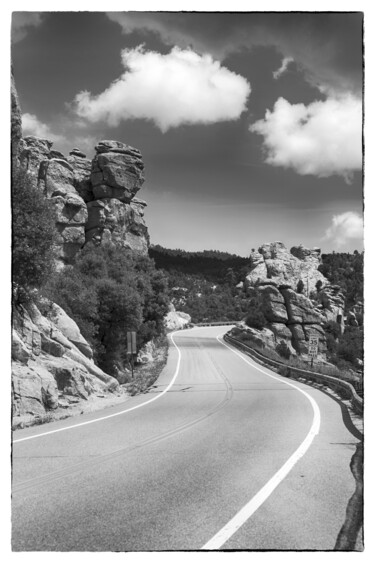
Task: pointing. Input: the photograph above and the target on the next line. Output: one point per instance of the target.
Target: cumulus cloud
(326, 46)
(178, 88)
(322, 139)
(32, 126)
(22, 22)
(344, 228)
(284, 66)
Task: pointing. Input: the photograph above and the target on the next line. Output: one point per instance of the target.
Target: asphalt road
(230, 456)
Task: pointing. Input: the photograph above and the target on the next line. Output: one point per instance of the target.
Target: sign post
(132, 347)
(313, 348)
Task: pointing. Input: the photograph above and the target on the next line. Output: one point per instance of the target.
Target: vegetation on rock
(33, 236)
(109, 291)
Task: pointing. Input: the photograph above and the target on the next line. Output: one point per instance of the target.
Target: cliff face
(94, 200)
(94, 203)
(52, 363)
(274, 286)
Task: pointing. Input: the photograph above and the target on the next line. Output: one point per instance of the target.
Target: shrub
(283, 350)
(33, 235)
(255, 318)
(300, 286)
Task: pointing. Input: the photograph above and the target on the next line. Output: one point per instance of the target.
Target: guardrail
(345, 389)
(224, 323)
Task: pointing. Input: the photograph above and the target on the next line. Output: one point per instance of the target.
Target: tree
(319, 285)
(283, 350)
(300, 286)
(255, 318)
(33, 235)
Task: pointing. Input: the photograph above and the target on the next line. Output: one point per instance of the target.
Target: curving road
(220, 454)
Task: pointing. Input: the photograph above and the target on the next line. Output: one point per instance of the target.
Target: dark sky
(188, 98)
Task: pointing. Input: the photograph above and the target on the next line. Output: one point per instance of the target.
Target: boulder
(71, 381)
(77, 152)
(282, 333)
(69, 329)
(300, 309)
(271, 303)
(51, 347)
(57, 182)
(117, 171)
(56, 178)
(34, 389)
(81, 175)
(332, 303)
(111, 221)
(176, 320)
(19, 351)
(27, 331)
(264, 338)
(299, 341)
(32, 152)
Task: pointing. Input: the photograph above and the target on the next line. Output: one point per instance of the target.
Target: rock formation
(94, 200)
(280, 284)
(94, 203)
(51, 360)
(176, 320)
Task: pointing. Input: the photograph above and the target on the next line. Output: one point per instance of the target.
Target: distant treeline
(213, 265)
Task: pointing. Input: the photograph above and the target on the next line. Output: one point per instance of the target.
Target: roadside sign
(313, 347)
(132, 342)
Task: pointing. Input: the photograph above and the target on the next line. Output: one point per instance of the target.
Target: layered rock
(271, 284)
(56, 179)
(117, 171)
(332, 303)
(93, 200)
(51, 358)
(111, 221)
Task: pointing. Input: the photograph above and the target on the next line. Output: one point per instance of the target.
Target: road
(220, 454)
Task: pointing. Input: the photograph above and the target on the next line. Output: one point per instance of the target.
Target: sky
(250, 124)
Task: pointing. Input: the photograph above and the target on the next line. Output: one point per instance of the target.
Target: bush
(283, 350)
(108, 292)
(300, 286)
(255, 318)
(33, 235)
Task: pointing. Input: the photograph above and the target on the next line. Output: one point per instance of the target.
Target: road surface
(220, 454)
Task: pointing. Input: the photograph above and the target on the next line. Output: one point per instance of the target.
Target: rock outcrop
(280, 284)
(176, 320)
(51, 360)
(94, 200)
(274, 261)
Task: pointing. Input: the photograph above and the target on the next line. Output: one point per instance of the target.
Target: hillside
(203, 284)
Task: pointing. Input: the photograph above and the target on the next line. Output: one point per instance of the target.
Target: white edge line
(248, 510)
(117, 413)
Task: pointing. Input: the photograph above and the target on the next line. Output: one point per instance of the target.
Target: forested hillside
(203, 284)
(345, 270)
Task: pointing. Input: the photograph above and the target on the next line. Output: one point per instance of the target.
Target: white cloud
(323, 138)
(181, 87)
(344, 228)
(32, 126)
(284, 66)
(22, 21)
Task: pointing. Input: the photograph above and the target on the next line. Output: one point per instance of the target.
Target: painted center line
(248, 510)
